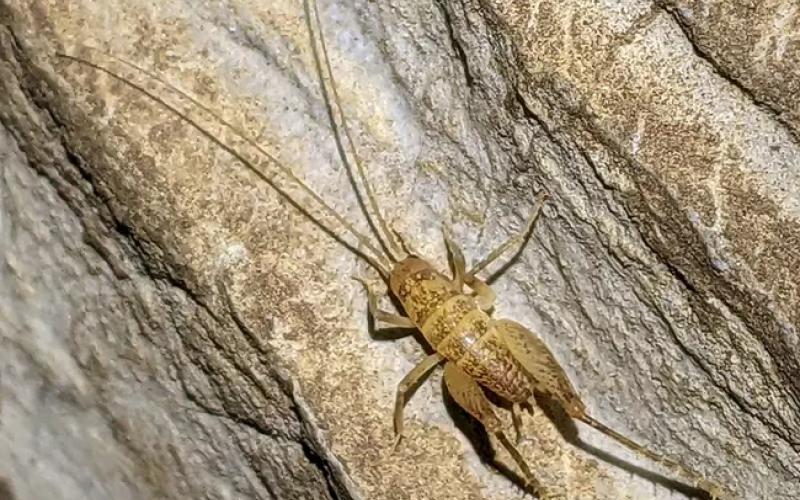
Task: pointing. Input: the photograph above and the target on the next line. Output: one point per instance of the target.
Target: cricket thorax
(457, 328)
(420, 288)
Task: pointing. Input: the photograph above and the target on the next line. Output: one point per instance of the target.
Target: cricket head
(405, 273)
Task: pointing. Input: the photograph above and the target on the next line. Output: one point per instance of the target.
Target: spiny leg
(410, 380)
(457, 260)
(515, 409)
(383, 316)
(539, 362)
(468, 394)
(515, 240)
(484, 294)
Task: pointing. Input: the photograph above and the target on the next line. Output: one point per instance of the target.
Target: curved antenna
(376, 260)
(387, 236)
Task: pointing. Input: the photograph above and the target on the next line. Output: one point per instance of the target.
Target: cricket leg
(410, 380)
(483, 292)
(714, 490)
(457, 260)
(383, 316)
(516, 240)
(536, 359)
(515, 409)
(468, 394)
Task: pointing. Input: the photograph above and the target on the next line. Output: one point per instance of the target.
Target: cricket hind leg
(539, 362)
(469, 395)
(517, 421)
(715, 491)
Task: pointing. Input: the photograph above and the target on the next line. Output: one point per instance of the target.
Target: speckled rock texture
(172, 327)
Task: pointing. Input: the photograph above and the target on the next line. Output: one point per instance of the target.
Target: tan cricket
(452, 313)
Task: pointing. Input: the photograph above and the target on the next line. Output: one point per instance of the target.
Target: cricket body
(482, 352)
(478, 351)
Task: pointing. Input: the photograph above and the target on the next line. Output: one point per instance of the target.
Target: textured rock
(173, 328)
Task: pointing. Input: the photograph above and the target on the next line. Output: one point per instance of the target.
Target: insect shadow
(479, 440)
(487, 454)
(6, 491)
(569, 431)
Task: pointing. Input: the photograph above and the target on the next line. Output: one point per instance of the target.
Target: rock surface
(173, 328)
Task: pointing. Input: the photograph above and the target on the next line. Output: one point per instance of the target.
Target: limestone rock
(172, 327)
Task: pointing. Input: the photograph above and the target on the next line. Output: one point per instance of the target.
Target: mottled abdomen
(490, 363)
(458, 329)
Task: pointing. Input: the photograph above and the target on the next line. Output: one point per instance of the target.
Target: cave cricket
(478, 351)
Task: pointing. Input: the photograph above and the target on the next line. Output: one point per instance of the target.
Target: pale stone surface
(663, 275)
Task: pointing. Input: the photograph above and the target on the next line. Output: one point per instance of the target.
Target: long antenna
(386, 237)
(376, 260)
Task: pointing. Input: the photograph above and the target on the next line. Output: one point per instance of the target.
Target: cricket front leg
(383, 316)
(515, 241)
(483, 292)
(456, 260)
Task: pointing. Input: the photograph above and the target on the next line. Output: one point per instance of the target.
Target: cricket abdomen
(458, 329)
(492, 365)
